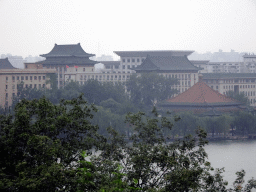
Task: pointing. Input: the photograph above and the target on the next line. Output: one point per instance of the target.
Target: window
(123, 66)
(217, 87)
(34, 85)
(133, 60)
(123, 60)
(22, 78)
(31, 78)
(6, 86)
(35, 77)
(13, 78)
(128, 67)
(43, 77)
(43, 85)
(6, 78)
(83, 69)
(26, 77)
(26, 85)
(6, 95)
(13, 95)
(39, 78)
(128, 60)
(18, 77)
(138, 60)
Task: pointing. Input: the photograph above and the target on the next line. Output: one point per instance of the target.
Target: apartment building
(11, 77)
(238, 82)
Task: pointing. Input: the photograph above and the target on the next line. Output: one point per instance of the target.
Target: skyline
(33, 27)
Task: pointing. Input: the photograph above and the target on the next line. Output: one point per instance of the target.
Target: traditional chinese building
(70, 59)
(201, 98)
(171, 66)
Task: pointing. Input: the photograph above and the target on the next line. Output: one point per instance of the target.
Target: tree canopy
(147, 89)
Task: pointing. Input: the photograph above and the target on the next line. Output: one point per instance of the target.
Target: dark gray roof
(228, 75)
(200, 62)
(166, 63)
(110, 62)
(5, 64)
(67, 51)
(153, 53)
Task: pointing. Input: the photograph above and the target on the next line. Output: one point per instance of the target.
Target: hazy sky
(32, 27)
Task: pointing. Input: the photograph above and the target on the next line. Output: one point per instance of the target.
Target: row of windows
(102, 77)
(35, 86)
(132, 60)
(179, 76)
(26, 78)
(232, 81)
(246, 93)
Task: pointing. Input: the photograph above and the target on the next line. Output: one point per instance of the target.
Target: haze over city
(32, 27)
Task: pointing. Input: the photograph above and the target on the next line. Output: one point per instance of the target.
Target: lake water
(234, 156)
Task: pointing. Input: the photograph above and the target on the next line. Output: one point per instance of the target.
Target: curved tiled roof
(5, 64)
(67, 51)
(201, 94)
(166, 63)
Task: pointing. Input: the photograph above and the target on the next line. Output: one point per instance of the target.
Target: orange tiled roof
(200, 93)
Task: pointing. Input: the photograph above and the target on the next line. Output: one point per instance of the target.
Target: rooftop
(5, 64)
(201, 94)
(166, 63)
(153, 53)
(67, 51)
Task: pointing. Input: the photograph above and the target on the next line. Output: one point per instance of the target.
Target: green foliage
(147, 89)
(239, 97)
(40, 144)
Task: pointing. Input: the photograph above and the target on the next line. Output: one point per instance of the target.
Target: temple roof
(153, 53)
(5, 64)
(201, 94)
(166, 63)
(199, 62)
(67, 51)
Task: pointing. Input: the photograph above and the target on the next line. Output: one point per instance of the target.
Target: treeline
(240, 123)
(55, 147)
(140, 93)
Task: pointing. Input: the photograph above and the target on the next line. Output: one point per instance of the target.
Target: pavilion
(201, 99)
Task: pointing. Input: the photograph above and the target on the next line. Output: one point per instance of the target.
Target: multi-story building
(174, 65)
(237, 82)
(249, 63)
(66, 59)
(11, 77)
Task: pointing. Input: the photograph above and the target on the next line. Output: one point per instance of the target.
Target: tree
(244, 123)
(43, 147)
(41, 144)
(239, 97)
(147, 89)
(150, 163)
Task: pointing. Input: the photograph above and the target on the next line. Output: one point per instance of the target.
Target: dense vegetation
(50, 147)
(113, 103)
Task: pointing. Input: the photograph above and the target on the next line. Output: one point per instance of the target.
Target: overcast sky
(32, 27)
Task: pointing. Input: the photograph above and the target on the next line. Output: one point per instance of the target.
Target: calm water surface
(234, 156)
